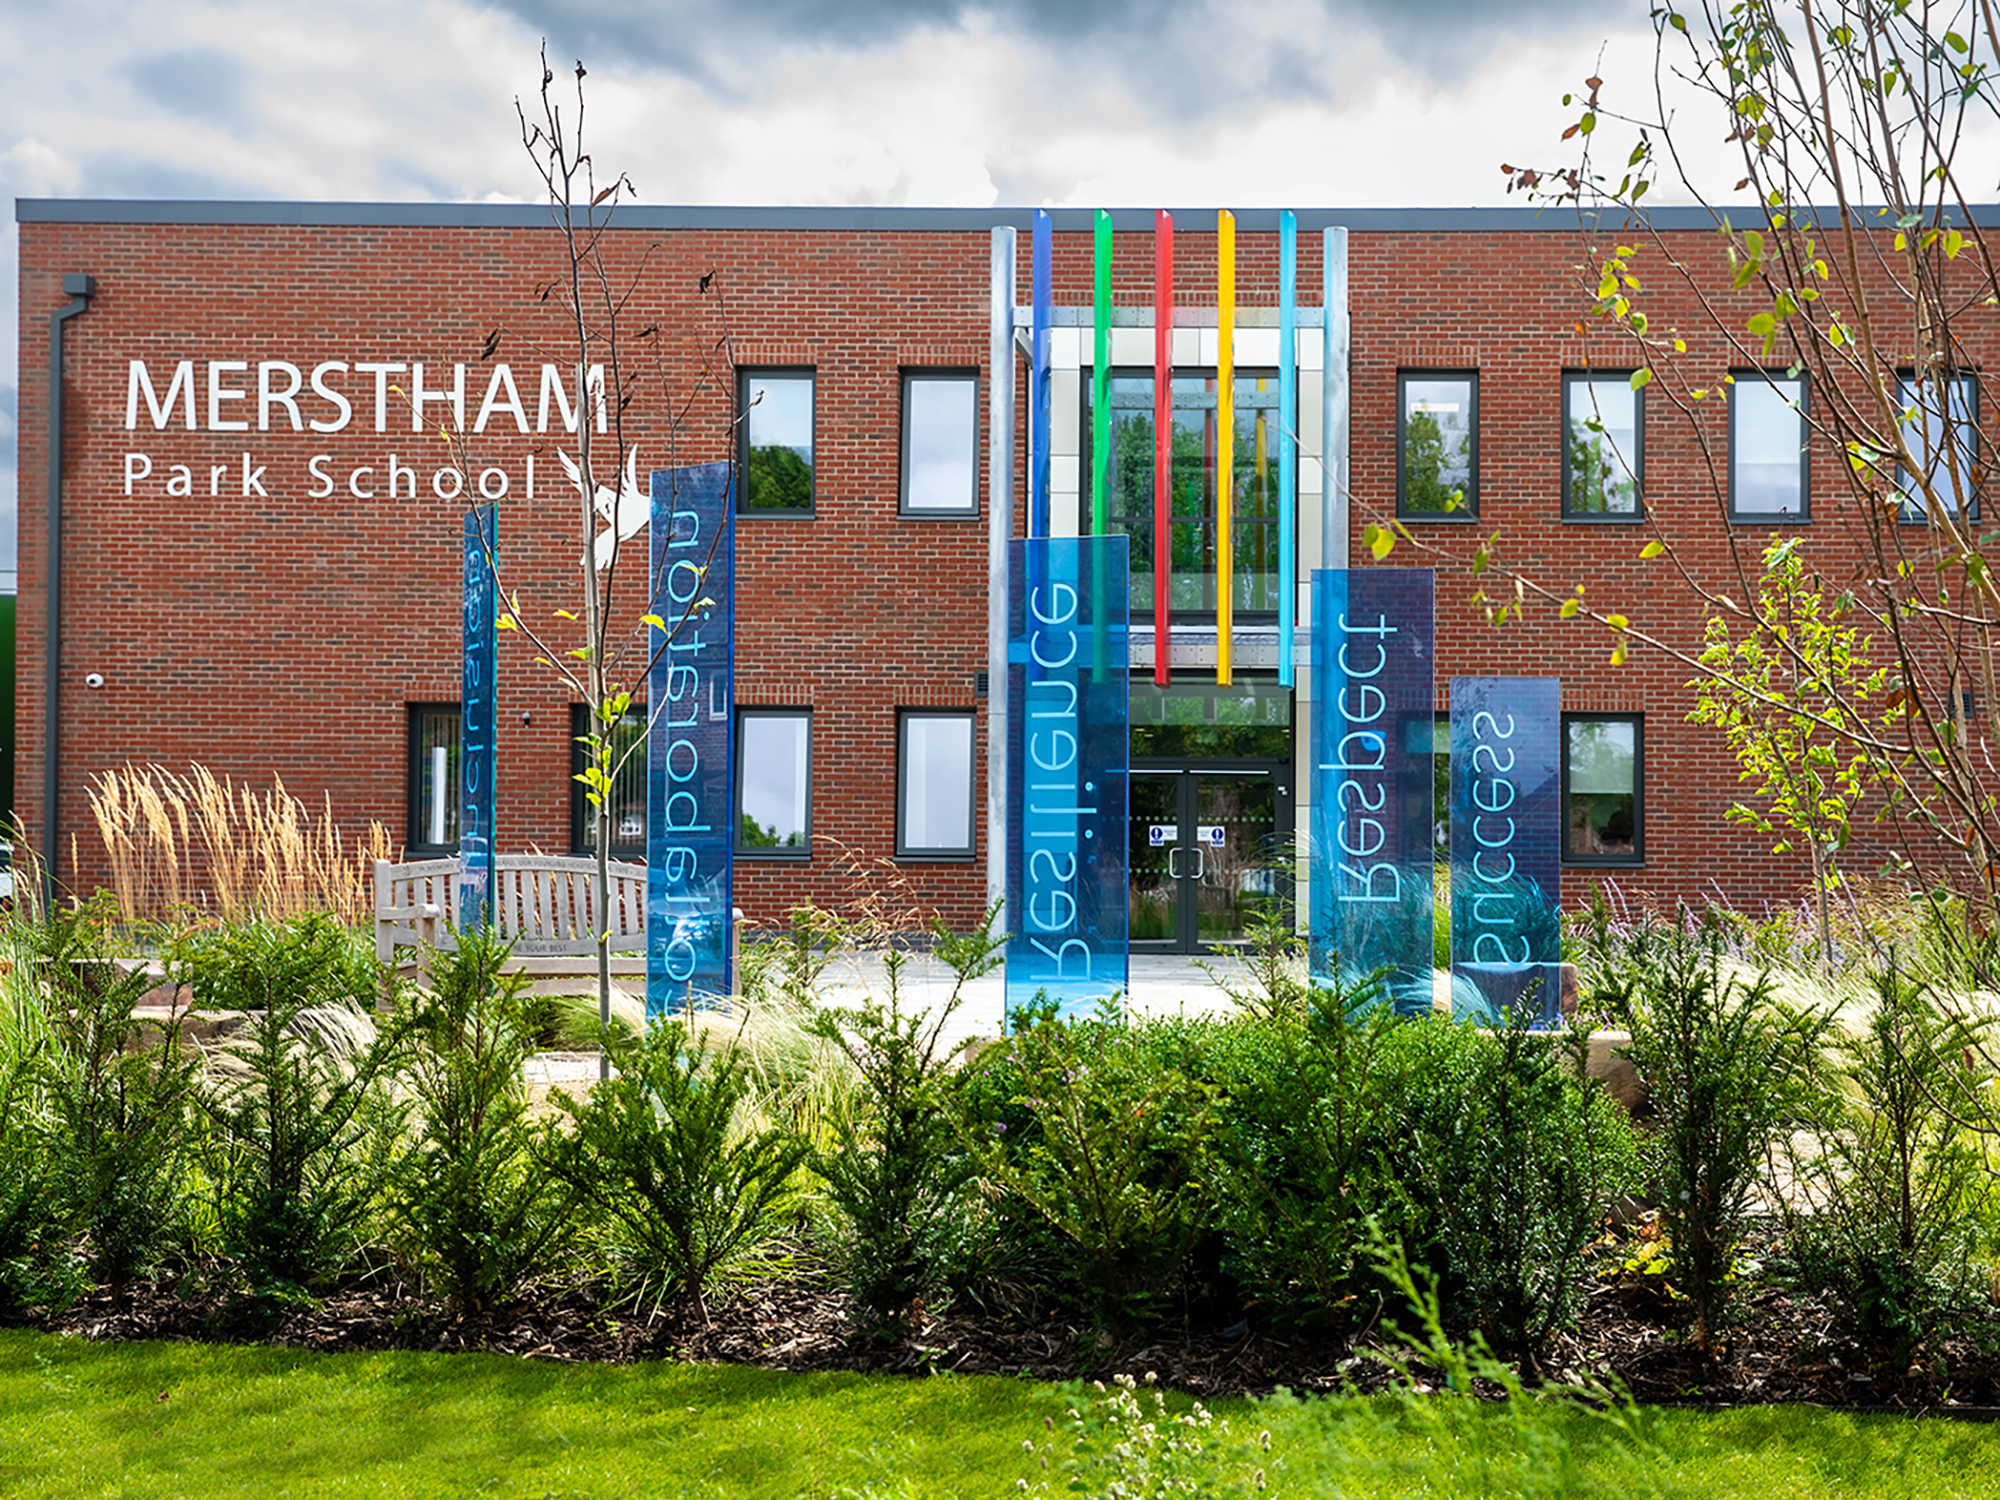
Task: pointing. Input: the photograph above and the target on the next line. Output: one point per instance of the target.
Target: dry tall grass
(182, 843)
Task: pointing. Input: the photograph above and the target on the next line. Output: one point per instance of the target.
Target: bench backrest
(544, 903)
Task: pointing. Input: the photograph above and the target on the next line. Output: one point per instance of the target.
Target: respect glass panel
(1373, 796)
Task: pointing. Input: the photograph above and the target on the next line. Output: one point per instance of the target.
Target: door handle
(1174, 863)
(1200, 862)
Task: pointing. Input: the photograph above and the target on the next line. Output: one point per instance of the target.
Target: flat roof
(848, 219)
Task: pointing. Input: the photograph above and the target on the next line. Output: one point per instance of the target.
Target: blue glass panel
(1288, 441)
(1506, 846)
(479, 719)
(1370, 844)
(1068, 748)
(692, 696)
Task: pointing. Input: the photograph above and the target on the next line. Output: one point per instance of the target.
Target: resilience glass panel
(777, 410)
(940, 444)
(1196, 428)
(1946, 449)
(934, 791)
(1437, 446)
(434, 740)
(1767, 447)
(1603, 461)
(1602, 803)
(628, 786)
(774, 787)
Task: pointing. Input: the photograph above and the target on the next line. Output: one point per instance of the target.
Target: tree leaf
(1653, 548)
(1641, 378)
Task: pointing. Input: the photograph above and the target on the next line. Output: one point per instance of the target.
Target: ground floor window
(628, 785)
(774, 782)
(432, 828)
(934, 783)
(1603, 789)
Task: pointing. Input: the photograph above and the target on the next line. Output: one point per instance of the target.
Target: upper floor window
(1195, 489)
(1603, 446)
(940, 443)
(1941, 427)
(776, 411)
(1437, 445)
(1767, 447)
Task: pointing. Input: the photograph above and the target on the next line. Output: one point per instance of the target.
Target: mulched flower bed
(1782, 1348)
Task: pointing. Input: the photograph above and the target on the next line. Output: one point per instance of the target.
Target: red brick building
(260, 535)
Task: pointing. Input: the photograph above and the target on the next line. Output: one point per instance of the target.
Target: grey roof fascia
(849, 219)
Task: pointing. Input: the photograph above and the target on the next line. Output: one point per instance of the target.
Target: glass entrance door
(1206, 853)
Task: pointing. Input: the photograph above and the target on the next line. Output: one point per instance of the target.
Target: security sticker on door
(1209, 834)
(1162, 833)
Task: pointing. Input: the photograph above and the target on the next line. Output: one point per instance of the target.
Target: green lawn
(191, 1421)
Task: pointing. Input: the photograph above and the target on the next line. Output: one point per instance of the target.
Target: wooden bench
(545, 904)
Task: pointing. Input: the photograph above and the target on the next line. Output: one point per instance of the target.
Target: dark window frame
(414, 806)
(1913, 515)
(1765, 518)
(799, 853)
(933, 854)
(1609, 861)
(744, 377)
(579, 805)
(913, 375)
(1468, 508)
(1570, 380)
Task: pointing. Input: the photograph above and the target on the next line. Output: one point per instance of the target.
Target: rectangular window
(1437, 445)
(1256, 500)
(1947, 449)
(1603, 447)
(433, 796)
(776, 411)
(1767, 447)
(940, 443)
(934, 769)
(628, 785)
(774, 782)
(1603, 789)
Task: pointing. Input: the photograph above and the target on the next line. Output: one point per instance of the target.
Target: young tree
(1849, 265)
(598, 650)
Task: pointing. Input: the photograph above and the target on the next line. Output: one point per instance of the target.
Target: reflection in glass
(940, 442)
(1196, 429)
(778, 442)
(1601, 420)
(1947, 451)
(1767, 434)
(628, 787)
(1603, 788)
(1436, 447)
(775, 765)
(937, 783)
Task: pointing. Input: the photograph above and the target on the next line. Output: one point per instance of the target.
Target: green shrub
(118, 1092)
(1721, 1064)
(1889, 1196)
(470, 1195)
(684, 1196)
(35, 1264)
(898, 1171)
(301, 1130)
(1296, 1159)
(1101, 1145)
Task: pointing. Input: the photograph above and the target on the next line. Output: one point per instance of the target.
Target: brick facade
(283, 633)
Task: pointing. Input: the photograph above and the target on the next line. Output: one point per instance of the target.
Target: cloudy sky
(926, 102)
